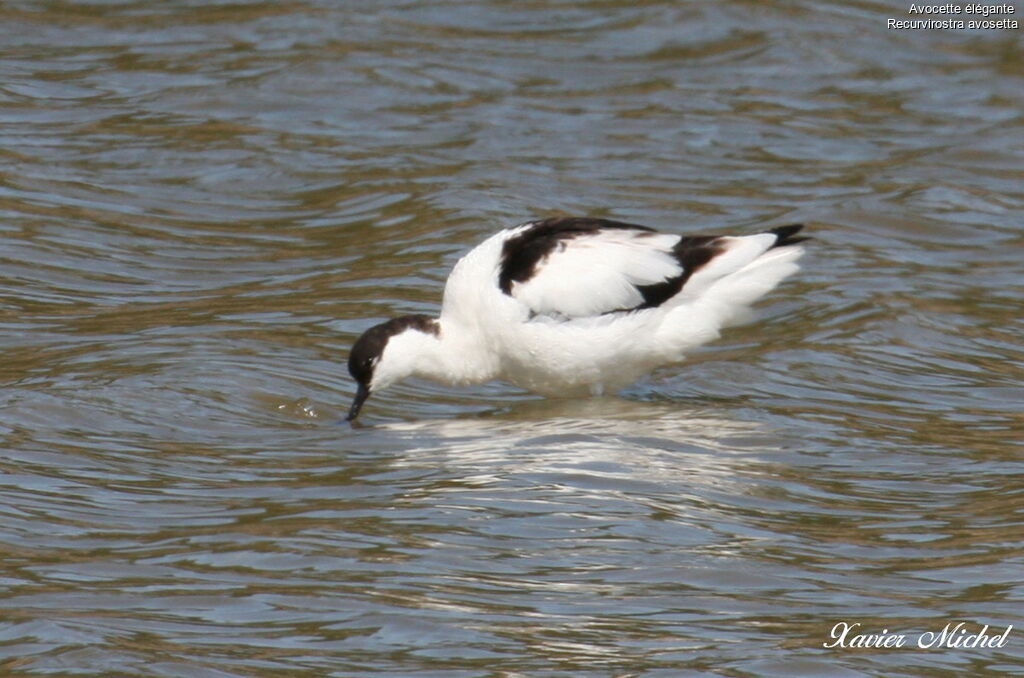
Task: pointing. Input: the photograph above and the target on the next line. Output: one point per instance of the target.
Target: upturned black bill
(361, 395)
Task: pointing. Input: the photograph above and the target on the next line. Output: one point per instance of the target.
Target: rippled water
(203, 203)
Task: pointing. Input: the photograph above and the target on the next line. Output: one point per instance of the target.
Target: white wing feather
(595, 273)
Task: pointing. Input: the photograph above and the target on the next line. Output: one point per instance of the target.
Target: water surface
(203, 203)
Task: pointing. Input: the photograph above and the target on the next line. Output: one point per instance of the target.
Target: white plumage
(569, 305)
(606, 265)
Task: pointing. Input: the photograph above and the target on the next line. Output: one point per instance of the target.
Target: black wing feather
(521, 254)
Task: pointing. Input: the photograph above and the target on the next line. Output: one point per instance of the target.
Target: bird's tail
(726, 301)
(729, 298)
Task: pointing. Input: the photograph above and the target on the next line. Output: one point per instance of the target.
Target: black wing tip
(784, 235)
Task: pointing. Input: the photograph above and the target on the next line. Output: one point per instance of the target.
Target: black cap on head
(362, 360)
(366, 353)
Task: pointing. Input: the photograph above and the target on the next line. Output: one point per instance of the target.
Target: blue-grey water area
(202, 205)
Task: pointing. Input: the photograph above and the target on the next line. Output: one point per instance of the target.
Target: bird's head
(386, 354)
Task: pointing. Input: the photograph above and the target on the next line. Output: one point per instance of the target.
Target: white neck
(454, 356)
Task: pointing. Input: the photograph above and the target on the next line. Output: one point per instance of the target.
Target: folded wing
(582, 267)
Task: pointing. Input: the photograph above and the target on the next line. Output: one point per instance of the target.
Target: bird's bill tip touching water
(362, 393)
